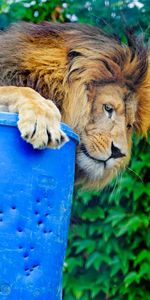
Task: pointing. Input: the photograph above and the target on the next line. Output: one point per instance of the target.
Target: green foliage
(106, 14)
(27, 10)
(108, 254)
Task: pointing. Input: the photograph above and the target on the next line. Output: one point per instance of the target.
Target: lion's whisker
(137, 175)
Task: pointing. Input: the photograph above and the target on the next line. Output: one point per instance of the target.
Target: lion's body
(70, 64)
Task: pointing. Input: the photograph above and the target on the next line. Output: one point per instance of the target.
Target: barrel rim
(11, 119)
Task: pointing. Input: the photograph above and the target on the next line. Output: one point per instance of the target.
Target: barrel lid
(11, 119)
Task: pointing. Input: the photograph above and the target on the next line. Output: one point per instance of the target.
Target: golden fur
(100, 86)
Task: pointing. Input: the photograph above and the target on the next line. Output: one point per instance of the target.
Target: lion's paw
(41, 127)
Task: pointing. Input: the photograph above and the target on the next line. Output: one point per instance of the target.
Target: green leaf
(88, 245)
(143, 255)
(95, 291)
(73, 262)
(115, 216)
(94, 257)
(145, 270)
(130, 225)
(115, 266)
(93, 214)
(130, 278)
(139, 189)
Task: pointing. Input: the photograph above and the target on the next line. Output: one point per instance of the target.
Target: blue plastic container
(35, 202)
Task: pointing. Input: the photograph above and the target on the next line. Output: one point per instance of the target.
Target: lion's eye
(109, 109)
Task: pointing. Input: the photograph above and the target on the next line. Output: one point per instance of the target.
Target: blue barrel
(35, 202)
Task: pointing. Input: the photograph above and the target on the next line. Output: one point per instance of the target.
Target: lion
(84, 77)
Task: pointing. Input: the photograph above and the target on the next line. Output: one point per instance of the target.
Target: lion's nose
(116, 152)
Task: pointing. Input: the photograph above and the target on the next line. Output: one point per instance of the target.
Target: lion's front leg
(39, 119)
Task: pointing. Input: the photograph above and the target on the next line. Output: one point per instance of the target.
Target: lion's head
(108, 99)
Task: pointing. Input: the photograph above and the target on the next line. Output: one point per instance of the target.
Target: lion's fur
(67, 62)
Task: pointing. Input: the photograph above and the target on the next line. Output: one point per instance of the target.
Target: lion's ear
(143, 110)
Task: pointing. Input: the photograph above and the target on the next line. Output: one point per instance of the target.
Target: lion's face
(106, 136)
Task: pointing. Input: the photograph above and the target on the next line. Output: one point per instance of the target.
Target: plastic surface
(35, 202)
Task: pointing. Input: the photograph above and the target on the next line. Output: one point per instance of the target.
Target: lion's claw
(42, 129)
